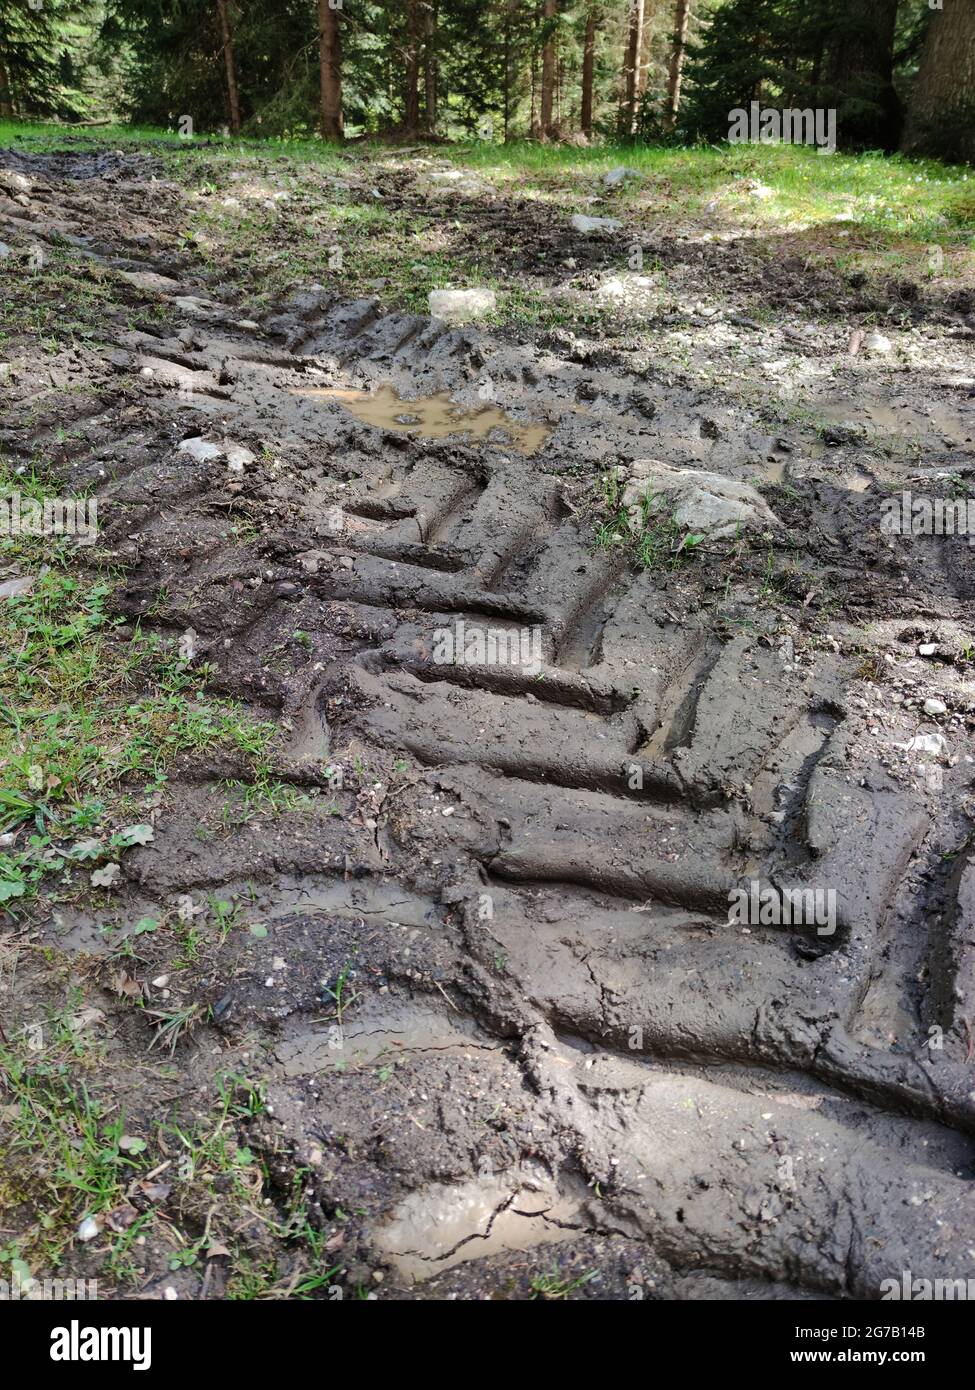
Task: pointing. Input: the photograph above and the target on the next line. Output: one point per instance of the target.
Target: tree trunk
(233, 97)
(816, 75)
(631, 71)
(677, 61)
(430, 65)
(411, 103)
(942, 114)
(548, 74)
(330, 63)
(859, 69)
(507, 70)
(588, 66)
(6, 95)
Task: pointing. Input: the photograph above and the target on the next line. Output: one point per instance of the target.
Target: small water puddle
(434, 417)
(904, 419)
(440, 1226)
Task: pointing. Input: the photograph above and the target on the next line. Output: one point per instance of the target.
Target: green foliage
(479, 66)
(47, 57)
(830, 54)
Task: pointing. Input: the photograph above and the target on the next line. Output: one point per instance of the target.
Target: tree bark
(6, 95)
(533, 125)
(411, 103)
(233, 97)
(330, 64)
(859, 68)
(430, 73)
(631, 71)
(548, 74)
(588, 67)
(946, 86)
(507, 68)
(677, 61)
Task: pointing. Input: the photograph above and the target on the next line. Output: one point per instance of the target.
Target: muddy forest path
(505, 1027)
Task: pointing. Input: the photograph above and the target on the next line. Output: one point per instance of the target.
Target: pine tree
(37, 74)
(736, 61)
(858, 80)
(942, 119)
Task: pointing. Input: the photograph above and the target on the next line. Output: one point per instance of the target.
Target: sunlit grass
(871, 211)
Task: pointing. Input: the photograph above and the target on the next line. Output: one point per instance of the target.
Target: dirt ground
(488, 1028)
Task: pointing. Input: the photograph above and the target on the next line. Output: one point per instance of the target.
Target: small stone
(935, 707)
(933, 745)
(611, 289)
(88, 1229)
(588, 225)
(200, 449)
(238, 457)
(876, 342)
(458, 306)
(619, 175)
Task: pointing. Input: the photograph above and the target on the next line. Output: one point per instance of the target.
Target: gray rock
(931, 745)
(10, 588)
(588, 225)
(876, 342)
(696, 499)
(458, 306)
(150, 281)
(619, 175)
(459, 181)
(200, 449)
(238, 456)
(620, 287)
(16, 183)
(196, 307)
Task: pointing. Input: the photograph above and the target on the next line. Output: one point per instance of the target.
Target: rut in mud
(526, 867)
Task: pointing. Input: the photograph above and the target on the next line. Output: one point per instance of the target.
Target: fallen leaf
(107, 876)
(136, 835)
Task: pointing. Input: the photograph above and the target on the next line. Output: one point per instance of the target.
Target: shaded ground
(333, 966)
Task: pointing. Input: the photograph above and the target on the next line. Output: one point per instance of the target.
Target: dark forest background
(900, 73)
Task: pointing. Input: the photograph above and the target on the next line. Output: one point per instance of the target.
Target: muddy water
(435, 417)
(432, 1230)
(905, 418)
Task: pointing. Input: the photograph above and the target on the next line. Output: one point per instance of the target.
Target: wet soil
(562, 1061)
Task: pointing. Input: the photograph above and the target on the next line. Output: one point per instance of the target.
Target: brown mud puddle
(904, 419)
(434, 417)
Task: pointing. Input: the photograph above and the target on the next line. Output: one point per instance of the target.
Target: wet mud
(563, 1053)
